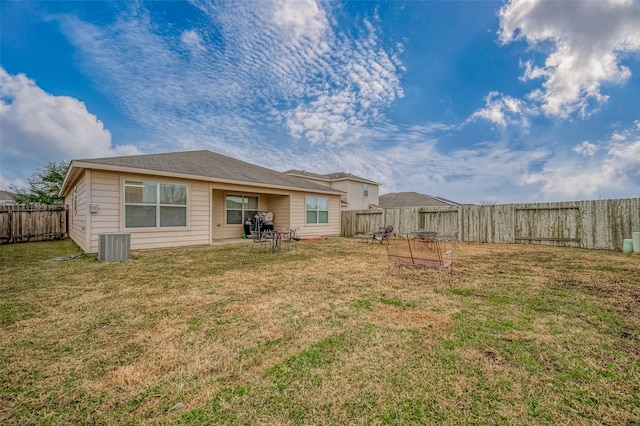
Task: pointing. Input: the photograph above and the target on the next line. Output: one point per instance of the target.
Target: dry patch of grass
(525, 334)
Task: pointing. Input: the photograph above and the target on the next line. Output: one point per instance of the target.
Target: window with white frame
(317, 209)
(365, 189)
(154, 204)
(240, 208)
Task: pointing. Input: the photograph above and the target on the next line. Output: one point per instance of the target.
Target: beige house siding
(280, 206)
(343, 186)
(105, 192)
(77, 202)
(334, 216)
(358, 192)
(374, 194)
(221, 230)
(198, 211)
(98, 185)
(355, 194)
(277, 204)
(218, 215)
(298, 215)
(288, 212)
(106, 189)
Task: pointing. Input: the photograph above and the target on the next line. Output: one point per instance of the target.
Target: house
(361, 194)
(188, 198)
(6, 199)
(413, 199)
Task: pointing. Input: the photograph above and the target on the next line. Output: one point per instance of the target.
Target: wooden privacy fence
(601, 224)
(32, 223)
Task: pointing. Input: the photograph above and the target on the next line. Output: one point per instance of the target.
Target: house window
(240, 208)
(365, 189)
(317, 209)
(154, 205)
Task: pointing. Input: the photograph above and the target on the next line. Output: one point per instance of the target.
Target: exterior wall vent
(113, 247)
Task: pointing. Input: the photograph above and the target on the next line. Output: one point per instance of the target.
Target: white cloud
(414, 159)
(585, 148)
(364, 80)
(283, 65)
(567, 183)
(6, 183)
(37, 127)
(304, 18)
(588, 41)
(285, 68)
(502, 110)
(485, 171)
(617, 171)
(193, 41)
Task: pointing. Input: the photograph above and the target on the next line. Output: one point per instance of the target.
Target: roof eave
(356, 180)
(330, 179)
(304, 176)
(69, 178)
(79, 164)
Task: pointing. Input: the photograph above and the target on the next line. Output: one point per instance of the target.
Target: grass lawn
(225, 335)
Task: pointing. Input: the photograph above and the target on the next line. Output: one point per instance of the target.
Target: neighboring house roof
(200, 165)
(413, 199)
(447, 201)
(304, 173)
(6, 198)
(329, 177)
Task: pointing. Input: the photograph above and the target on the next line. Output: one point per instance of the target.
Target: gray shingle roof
(411, 199)
(210, 165)
(6, 197)
(447, 201)
(307, 174)
(329, 176)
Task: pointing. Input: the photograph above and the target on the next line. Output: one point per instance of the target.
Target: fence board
(443, 218)
(601, 224)
(32, 223)
(402, 220)
(368, 222)
(348, 223)
(548, 224)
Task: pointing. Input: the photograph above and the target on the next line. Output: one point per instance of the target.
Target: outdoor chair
(451, 237)
(291, 237)
(261, 239)
(424, 239)
(284, 239)
(383, 235)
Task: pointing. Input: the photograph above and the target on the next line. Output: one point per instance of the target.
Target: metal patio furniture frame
(419, 256)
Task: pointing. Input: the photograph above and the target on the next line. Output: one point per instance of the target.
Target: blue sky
(475, 101)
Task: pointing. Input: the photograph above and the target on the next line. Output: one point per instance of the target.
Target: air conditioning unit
(113, 247)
